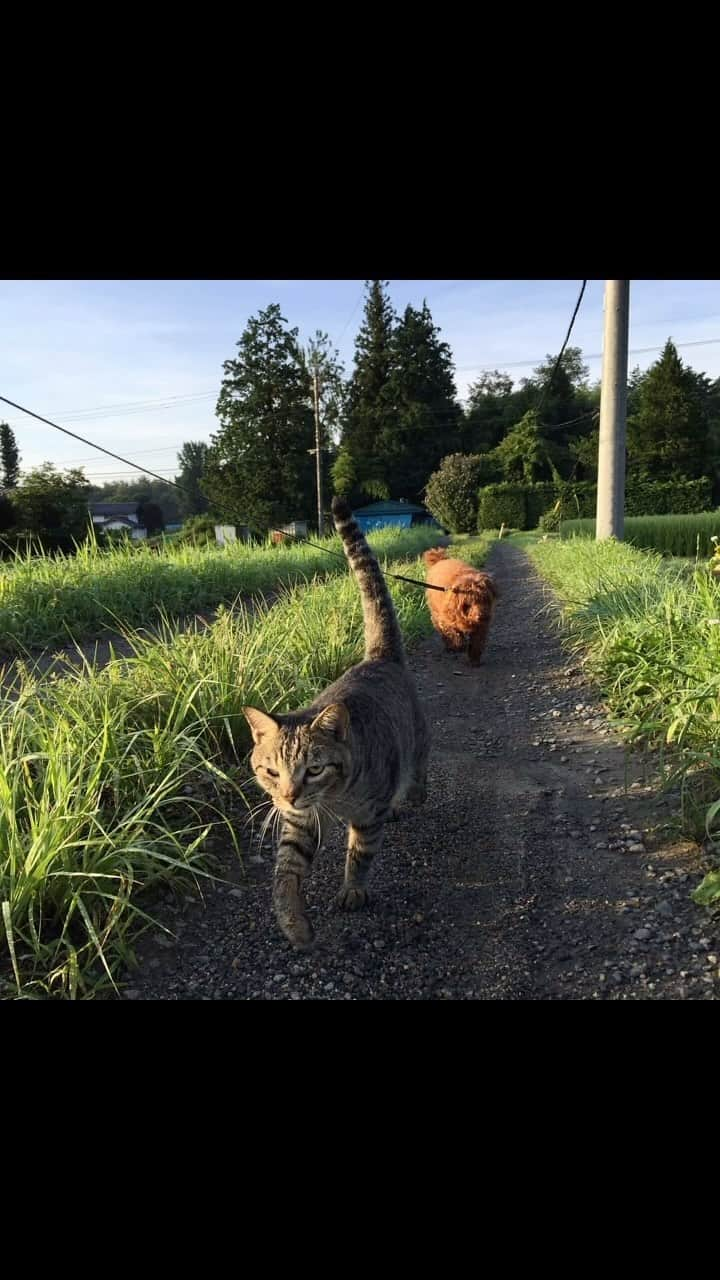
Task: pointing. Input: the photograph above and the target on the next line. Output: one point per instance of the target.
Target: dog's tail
(432, 557)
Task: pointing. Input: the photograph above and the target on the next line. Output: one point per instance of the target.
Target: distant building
(107, 516)
(378, 514)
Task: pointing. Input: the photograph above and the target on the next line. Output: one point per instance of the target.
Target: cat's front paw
(297, 929)
(291, 914)
(350, 898)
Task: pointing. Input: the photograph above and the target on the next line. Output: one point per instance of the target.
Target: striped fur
(354, 755)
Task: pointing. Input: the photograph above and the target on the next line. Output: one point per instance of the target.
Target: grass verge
(652, 633)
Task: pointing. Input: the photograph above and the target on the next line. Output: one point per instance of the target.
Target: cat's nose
(290, 795)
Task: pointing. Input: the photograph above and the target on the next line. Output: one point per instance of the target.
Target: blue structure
(402, 514)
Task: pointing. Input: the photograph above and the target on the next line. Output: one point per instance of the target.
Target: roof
(389, 508)
(113, 508)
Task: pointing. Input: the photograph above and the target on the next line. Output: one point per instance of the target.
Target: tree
(668, 432)
(164, 495)
(585, 452)
(259, 468)
(526, 454)
(324, 364)
(192, 460)
(489, 412)
(423, 425)
(9, 456)
(451, 493)
(53, 507)
(150, 516)
(324, 361)
(368, 409)
(8, 513)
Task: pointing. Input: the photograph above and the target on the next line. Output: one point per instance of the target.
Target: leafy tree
(10, 456)
(526, 454)
(323, 362)
(164, 495)
(368, 414)
(584, 451)
(489, 412)
(451, 493)
(52, 506)
(8, 513)
(150, 516)
(192, 460)
(668, 432)
(259, 469)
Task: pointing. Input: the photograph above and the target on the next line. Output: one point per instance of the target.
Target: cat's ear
(333, 719)
(260, 724)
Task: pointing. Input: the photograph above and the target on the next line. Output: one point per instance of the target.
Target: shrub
(451, 493)
(503, 504)
(550, 519)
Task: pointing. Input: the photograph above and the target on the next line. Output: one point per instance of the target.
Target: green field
(670, 535)
(114, 781)
(52, 600)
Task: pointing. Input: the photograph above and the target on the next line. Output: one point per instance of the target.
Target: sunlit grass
(57, 599)
(113, 780)
(652, 631)
(686, 535)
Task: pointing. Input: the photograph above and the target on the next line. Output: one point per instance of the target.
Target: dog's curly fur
(463, 615)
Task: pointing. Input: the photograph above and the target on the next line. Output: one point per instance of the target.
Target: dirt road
(539, 869)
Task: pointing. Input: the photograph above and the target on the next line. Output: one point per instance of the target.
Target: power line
(593, 355)
(548, 384)
(352, 313)
(165, 448)
(126, 462)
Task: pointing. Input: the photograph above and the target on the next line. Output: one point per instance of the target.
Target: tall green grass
(115, 780)
(653, 635)
(46, 600)
(687, 535)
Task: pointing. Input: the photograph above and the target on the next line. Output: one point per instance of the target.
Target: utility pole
(610, 514)
(318, 455)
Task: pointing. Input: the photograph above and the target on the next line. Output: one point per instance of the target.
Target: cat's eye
(315, 769)
(273, 772)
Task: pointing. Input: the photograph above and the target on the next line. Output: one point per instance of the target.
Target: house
(108, 516)
(377, 514)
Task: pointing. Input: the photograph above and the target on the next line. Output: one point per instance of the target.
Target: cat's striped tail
(383, 638)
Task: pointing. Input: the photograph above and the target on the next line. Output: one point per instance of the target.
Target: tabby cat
(355, 754)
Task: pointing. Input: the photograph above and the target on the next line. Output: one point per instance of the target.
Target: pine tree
(668, 432)
(9, 456)
(259, 469)
(424, 425)
(359, 470)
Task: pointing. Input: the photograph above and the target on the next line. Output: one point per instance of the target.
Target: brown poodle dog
(463, 615)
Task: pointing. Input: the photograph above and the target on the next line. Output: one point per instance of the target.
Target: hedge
(521, 505)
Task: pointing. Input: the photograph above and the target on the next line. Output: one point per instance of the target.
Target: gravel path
(542, 867)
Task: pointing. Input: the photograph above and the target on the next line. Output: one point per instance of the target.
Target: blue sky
(80, 351)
